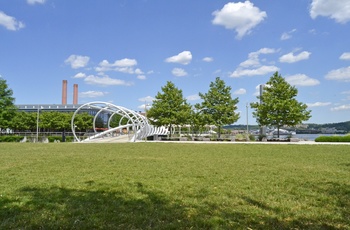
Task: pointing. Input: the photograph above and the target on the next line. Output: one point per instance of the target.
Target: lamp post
(247, 119)
(37, 125)
(146, 105)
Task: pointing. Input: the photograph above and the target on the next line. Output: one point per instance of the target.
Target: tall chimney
(75, 94)
(64, 92)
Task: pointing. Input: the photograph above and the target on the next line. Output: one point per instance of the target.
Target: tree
(7, 107)
(169, 108)
(278, 106)
(218, 107)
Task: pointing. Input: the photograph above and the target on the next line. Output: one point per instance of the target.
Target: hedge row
(333, 139)
(59, 138)
(9, 138)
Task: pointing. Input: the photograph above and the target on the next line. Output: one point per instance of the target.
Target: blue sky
(124, 51)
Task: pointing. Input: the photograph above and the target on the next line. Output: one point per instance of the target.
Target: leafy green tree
(278, 105)
(55, 121)
(218, 107)
(23, 121)
(83, 121)
(117, 120)
(169, 108)
(7, 107)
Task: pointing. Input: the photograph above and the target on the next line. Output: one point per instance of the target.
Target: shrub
(59, 138)
(333, 138)
(10, 138)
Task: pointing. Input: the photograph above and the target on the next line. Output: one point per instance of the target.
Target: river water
(310, 137)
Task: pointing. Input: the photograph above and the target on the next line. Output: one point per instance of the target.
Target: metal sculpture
(137, 125)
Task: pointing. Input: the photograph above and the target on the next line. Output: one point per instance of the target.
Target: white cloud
(80, 75)
(193, 97)
(32, 2)
(342, 74)
(302, 80)
(341, 108)
(345, 92)
(77, 61)
(339, 10)
(10, 23)
(138, 71)
(318, 104)
(262, 70)
(208, 59)
(287, 35)
(291, 58)
(144, 107)
(92, 94)
(141, 77)
(125, 65)
(345, 56)
(105, 81)
(240, 92)
(252, 65)
(253, 57)
(240, 16)
(147, 99)
(183, 58)
(178, 72)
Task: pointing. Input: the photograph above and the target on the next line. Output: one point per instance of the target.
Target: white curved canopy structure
(136, 122)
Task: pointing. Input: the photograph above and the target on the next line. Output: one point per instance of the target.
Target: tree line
(277, 107)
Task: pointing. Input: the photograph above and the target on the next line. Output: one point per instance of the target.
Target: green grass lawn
(174, 186)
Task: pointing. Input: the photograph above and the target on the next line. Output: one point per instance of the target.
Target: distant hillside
(339, 126)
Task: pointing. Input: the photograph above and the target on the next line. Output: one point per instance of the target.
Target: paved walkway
(255, 142)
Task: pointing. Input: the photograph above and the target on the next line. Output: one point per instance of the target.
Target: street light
(37, 125)
(247, 120)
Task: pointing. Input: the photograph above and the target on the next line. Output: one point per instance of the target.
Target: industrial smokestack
(64, 92)
(75, 94)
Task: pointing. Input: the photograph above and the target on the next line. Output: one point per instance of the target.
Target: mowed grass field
(174, 186)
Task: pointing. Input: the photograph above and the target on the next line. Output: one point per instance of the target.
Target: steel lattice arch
(136, 122)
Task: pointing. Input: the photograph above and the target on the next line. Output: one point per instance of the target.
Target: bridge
(132, 126)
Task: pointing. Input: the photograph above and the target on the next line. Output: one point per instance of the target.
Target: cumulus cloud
(125, 65)
(341, 108)
(77, 61)
(252, 66)
(342, 74)
(193, 97)
(291, 58)
(10, 23)
(302, 80)
(141, 77)
(262, 70)
(178, 72)
(147, 99)
(92, 94)
(183, 58)
(318, 104)
(240, 91)
(80, 75)
(208, 59)
(345, 56)
(339, 10)
(32, 2)
(253, 57)
(241, 17)
(105, 81)
(287, 35)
